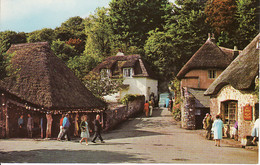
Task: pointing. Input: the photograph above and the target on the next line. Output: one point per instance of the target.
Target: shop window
(212, 74)
(127, 72)
(229, 112)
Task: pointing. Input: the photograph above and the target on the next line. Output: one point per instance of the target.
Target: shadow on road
(66, 156)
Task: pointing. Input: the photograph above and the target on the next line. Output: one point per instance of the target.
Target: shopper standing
(218, 130)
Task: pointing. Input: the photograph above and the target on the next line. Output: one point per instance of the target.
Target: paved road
(157, 139)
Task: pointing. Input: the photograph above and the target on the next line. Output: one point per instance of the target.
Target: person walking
(204, 121)
(49, 125)
(84, 130)
(255, 131)
(20, 126)
(151, 105)
(66, 126)
(146, 108)
(61, 127)
(43, 126)
(29, 125)
(209, 122)
(97, 129)
(218, 130)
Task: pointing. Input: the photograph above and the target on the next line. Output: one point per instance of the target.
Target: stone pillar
(188, 110)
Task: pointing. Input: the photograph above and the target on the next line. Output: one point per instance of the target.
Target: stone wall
(188, 110)
(243, 98)
(118, 113)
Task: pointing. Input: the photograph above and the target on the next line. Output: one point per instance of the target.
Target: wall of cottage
(119, 113)
(140, 85)
(198, 79)
(243, 98)
(188, 120)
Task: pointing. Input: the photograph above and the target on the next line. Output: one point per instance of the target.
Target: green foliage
(10, 37)
(102, 86)
(6, 67)
(99, 32)
(132, 19)
(176, 109)
(82, 65)
(170, 49)
(129, 97)
(45, 34)
(63, 50)
(248, 18)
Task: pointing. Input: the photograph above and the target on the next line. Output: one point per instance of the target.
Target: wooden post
(7, 119)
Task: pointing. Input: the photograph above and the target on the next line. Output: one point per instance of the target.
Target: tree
(221, 16)
(63, 50)
(82, 65)
(99, 33)
(44, 34)
(75, 26)
(7, 38)
(248, 18)
(185, 32)
(132, 19)
(102, 86)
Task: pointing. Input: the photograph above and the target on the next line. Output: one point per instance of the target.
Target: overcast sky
(30, 15)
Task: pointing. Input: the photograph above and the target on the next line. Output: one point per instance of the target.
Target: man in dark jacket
(97, 129)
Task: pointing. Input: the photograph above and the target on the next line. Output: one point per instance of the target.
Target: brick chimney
(235, 52)
(211, 37)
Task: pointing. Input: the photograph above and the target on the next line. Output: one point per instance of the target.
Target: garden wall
(117, 113)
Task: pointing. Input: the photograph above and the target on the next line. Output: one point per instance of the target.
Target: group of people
(217, 127)
(29, 126)
(84, 128)
(148, 107)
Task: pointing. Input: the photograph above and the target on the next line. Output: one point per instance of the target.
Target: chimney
(235, 52)
(211, 37)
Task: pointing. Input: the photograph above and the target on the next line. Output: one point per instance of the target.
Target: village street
(157, 139)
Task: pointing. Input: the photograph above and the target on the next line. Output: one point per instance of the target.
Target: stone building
(233, 95)
(42, 83)
(138, 77)
(196, 76)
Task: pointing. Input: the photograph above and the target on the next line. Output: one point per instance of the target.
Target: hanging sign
(248, 112)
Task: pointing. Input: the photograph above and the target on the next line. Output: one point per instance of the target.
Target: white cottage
(138, 77)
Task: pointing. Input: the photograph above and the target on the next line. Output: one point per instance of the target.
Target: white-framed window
(212, 74)
(105, 73)
(127, 72)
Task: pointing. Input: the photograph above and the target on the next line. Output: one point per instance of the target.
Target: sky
(30, 15)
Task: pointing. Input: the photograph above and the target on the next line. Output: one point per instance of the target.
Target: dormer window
(105, 73)
(258, 44)
(212, 74)
(127, 72)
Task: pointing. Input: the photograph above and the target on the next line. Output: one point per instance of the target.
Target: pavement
(156, 139)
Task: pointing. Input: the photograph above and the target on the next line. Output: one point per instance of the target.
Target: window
(212, 74)
(229, 112)
(105, 73)
(127, 72)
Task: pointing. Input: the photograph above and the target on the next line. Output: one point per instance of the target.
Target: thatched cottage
(233, 95)
(138, 77)
(196, 76)
(44, 83)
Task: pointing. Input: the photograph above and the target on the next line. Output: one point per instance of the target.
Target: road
(156, 139)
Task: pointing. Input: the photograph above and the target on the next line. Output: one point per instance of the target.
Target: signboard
(248, 112)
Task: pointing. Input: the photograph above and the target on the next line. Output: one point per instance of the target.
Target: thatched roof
(118, 62)
(43, 79)
(241, 73)
(209, 56)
